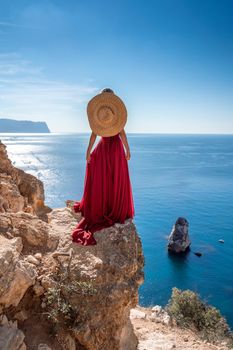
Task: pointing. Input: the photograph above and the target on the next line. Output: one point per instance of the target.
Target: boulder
(159, 315)
(16, 276)
(11, 338)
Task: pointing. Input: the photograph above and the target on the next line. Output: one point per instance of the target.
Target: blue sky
(169, 60)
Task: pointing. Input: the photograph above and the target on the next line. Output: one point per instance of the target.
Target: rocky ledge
(55, 294)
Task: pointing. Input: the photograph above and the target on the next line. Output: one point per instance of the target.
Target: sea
(172, 175)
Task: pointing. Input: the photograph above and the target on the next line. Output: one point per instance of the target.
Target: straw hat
(107, 113)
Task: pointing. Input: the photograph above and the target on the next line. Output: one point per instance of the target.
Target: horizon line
(140, 133)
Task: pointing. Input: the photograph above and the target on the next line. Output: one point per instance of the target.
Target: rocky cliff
(55, 294)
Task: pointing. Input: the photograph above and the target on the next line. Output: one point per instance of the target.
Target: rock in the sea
(178, 241)
(198, 254)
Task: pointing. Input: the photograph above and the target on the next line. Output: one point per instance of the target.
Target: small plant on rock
(189, 310)
(56, 300)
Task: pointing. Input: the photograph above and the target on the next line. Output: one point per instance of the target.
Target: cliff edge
(55, 294)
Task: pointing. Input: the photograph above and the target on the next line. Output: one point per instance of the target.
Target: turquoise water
(172, 175)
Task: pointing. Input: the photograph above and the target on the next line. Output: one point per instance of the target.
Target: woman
(107, 197)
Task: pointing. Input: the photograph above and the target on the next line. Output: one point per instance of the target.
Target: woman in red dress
(107, 196)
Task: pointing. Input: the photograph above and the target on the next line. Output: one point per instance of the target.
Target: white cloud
(26, 93)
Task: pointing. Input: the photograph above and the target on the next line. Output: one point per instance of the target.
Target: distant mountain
(11, 125)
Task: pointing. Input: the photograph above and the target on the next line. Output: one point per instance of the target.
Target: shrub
(56, 300)
(189, 311)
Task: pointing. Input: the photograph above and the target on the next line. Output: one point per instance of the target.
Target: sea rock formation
(82, 295)
(178, 241)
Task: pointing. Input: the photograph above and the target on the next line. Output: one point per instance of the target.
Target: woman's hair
(108, 90)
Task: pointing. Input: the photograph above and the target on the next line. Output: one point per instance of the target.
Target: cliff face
(23, 126)
(80, 295)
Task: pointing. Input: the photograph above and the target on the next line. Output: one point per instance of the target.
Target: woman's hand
(125, 143)
(127, 155)
(89, 148)
(88, 156)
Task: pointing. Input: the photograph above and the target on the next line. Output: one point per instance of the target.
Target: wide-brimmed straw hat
(107, 113)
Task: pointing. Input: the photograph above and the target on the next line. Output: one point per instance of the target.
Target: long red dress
(107, 196)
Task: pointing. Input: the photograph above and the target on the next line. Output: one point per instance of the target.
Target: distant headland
(23, 126)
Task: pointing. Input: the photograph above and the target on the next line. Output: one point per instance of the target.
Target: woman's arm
(90, 145)
(125, 143)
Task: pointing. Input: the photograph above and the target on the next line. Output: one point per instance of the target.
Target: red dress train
(107, 196)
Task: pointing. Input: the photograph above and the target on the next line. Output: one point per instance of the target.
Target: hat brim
(106, 127)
